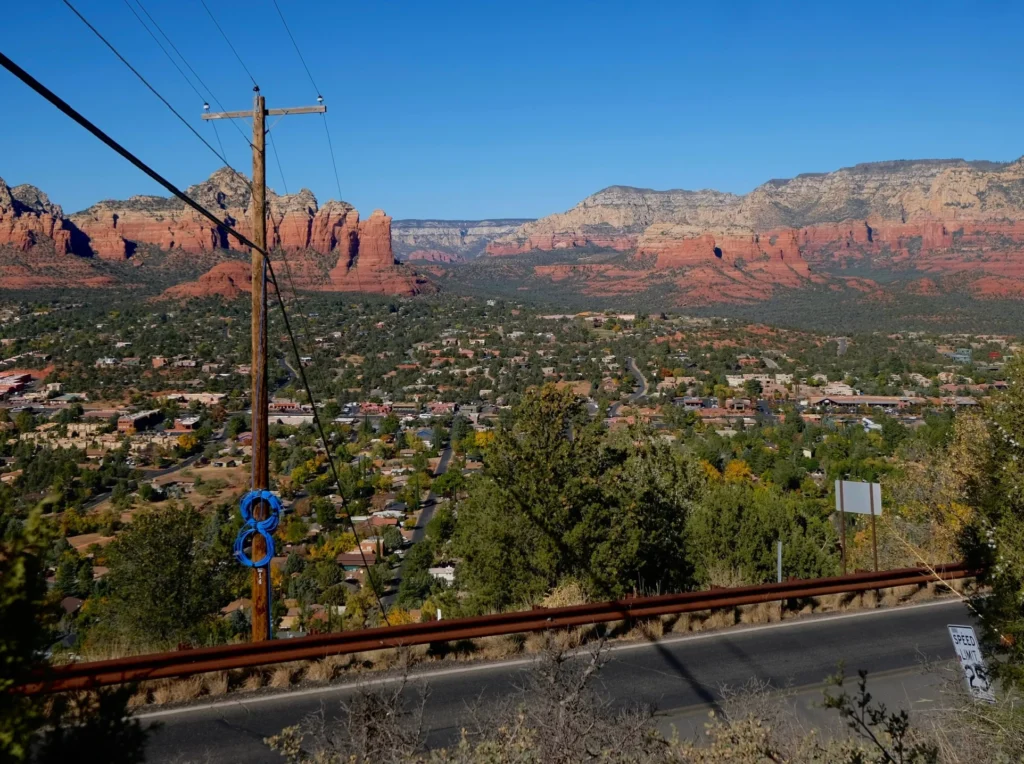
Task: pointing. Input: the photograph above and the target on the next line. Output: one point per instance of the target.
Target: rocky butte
(333, 249)
(949, 222)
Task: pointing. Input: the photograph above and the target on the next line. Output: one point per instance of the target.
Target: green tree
(393, 538)
(732, 535)
(449, 483)
(31, 730)
(993, 484)
(237, 425)
(389, 425)
(560, 499)
(164, 584)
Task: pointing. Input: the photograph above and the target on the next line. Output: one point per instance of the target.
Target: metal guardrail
(75, 676)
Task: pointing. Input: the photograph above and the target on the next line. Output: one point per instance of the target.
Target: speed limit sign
(969, 652)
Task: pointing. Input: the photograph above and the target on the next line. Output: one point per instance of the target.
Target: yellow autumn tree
(737, 471)
(335, 545)
(483, 439)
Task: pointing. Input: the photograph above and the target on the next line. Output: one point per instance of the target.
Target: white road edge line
(418, 676)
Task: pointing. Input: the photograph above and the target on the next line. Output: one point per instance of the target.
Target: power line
(151, 88)
(213, 96)
(334, 163)
(216, 133)
(170, 58)
(292, 38)
(75, 115)
(222, 34)
(161, 46)
(276, 158)
(319, 96)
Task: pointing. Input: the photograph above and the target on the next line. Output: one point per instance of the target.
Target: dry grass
(253, 681)
(568, 639)
(682, 624)
(502, 646)
(762, 612)
(535, 642)
(281, 677)
(720, 619)
(650, 629)
(178, 691)
(566, 595)
(216, 684)
(320, 671)
(896, 595)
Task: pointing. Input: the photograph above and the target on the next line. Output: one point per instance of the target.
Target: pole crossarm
(321, 109)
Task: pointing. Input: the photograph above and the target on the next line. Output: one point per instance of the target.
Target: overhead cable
(75, 115)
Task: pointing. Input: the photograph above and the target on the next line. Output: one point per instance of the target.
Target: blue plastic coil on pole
(252, 526)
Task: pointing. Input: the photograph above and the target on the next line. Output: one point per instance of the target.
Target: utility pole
(261, 627)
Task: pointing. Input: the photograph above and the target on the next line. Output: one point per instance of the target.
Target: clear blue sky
(479, 109)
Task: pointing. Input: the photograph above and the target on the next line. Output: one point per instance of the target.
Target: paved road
(639, 392)
(641, 380)
(765, 410)
(420, 531)
(680, 676)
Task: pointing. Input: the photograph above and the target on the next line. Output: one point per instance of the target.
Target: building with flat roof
(131, 423)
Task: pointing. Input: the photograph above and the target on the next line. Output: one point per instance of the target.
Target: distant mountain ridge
(934, 217)
(883, 229)
(448, 240)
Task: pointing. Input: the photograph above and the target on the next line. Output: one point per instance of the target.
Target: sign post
(969, 652)
(874, 528)
(842, 523)
(861, 499)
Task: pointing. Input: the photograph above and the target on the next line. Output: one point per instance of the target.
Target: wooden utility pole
(261, 618)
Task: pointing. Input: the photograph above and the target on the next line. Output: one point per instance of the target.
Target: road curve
(641, 380)
(681, 676)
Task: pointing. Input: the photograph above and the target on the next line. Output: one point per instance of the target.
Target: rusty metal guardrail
(75, 676)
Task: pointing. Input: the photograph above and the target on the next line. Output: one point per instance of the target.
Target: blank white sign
(857, 498)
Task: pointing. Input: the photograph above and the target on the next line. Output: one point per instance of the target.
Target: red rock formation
(371, 267)
(228, 280)
(27, 216)
(364, 264)
(360, 254)
(335, 226)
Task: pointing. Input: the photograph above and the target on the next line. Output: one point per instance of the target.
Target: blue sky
(479, 109)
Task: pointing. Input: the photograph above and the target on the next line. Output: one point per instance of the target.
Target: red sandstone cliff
(934, 216)
(364, 263)
(329, 248)
(27, 215)
(371, 265)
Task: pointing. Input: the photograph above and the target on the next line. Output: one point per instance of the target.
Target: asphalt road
(639, 392)
(420, 531)
(765, 411)
(680, 676)
(641, 381)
